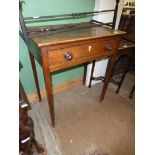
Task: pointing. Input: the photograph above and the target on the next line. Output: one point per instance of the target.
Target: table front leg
(48, 85)
(109, 71)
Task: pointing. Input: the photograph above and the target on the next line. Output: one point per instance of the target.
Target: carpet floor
(84, 125)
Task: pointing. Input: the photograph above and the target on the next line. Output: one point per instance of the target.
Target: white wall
(100, 66)
(106, 5)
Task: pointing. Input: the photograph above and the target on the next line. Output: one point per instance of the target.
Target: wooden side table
(62, 50)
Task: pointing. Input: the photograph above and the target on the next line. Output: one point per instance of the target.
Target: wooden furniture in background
(26, 131)
(127, 45)
(26, 125)
(22, 94)
(126, 48)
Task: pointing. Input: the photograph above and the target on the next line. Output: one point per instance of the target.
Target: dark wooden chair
(26, 131)
(22, 94)
(126, 48)
(26, 125)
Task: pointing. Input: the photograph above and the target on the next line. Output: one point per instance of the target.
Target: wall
(50, 7)
(100, 66)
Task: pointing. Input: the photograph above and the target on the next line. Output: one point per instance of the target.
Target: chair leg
(35, 74)
(131, 93)
(20, 97)
(126, 68)
(91, 75)
(22, 94)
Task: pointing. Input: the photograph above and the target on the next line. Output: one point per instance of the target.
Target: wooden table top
(77, 35)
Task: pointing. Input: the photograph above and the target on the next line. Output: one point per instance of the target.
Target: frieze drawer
(66, 57)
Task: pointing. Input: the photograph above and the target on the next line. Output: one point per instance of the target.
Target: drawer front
(62, 58)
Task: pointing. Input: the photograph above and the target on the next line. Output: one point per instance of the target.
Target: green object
(50, 7)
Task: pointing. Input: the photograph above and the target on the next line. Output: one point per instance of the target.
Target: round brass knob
(68, 56)
(108, 47)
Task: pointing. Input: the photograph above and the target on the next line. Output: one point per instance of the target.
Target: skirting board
(56, 89)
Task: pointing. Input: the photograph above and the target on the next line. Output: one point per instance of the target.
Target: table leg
(85, 73)
(35, 74)
(91, 75)
(48, 84)
(109, 71)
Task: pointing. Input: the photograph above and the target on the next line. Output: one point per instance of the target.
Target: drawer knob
(68, 56)
(108, 47)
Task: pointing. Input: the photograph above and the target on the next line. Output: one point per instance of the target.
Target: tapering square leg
(108, 74)
(48, 84)
(91, 75)
(85, 73)
(35, 74)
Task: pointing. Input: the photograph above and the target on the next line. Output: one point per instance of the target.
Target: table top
(76, 35)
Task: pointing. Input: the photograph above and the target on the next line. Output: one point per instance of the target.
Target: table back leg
(85, 73)
(35, 74)
(91, 75)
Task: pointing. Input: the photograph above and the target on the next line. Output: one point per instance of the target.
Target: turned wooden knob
(68, 56)
(108, 47)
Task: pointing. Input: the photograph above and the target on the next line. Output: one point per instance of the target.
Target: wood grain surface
(77, 35)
